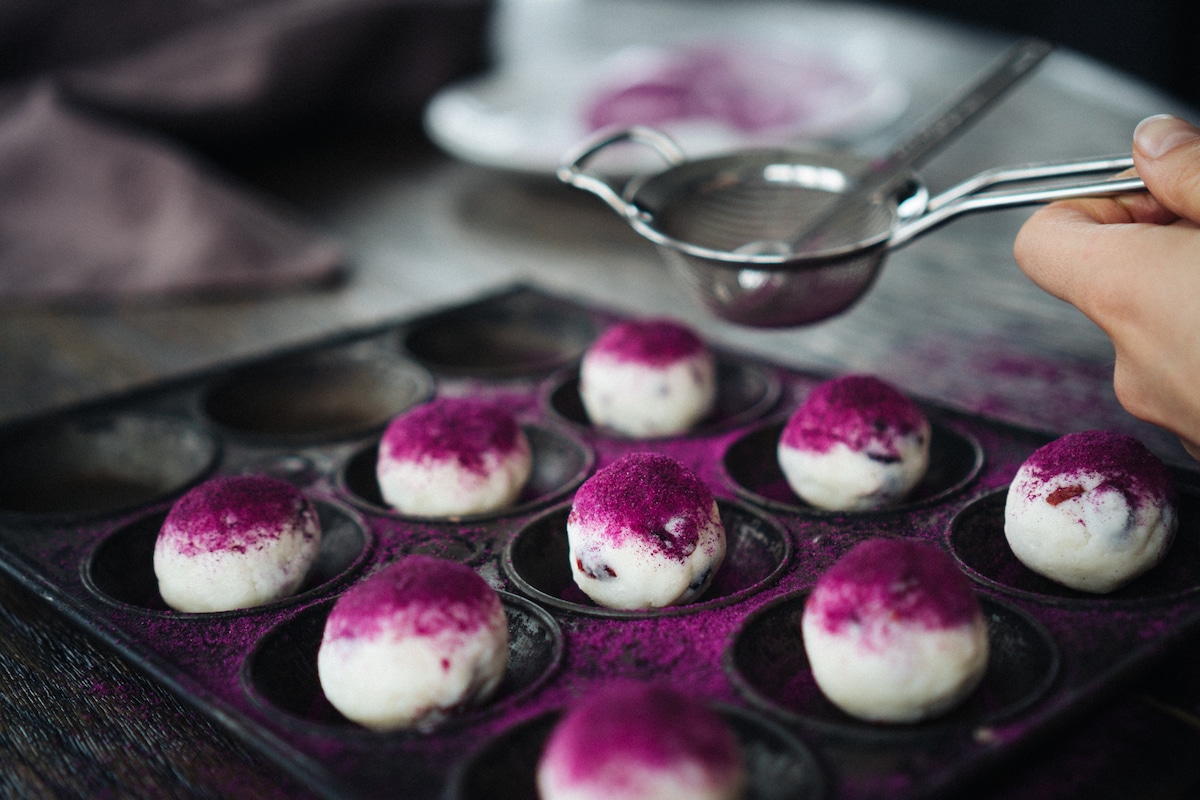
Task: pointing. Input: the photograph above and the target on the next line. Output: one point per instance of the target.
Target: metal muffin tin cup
(513, 335)
(778, 765)
(120, 569)
(280, 676)
(745, 392)
(976, 540)
(536, 561)
(766, 660)
(100, 464)
(561, 461)
(316, 397)
(751, 465)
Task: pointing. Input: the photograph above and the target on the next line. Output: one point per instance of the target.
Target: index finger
(1064, 246)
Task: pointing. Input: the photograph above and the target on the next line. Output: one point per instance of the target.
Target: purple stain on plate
(637, 495)
(748, 88)
(418, 594)
(237, 513)
(452, 428)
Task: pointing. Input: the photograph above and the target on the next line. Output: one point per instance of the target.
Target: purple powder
(419, 594)
(452, 428)
(655, 342)
(635, 723)
(637, 495)
(860, 411)
(236, 513)
(908, 580)
(1127, 466)
(749, 89)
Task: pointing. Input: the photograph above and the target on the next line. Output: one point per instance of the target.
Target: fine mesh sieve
(727, 225)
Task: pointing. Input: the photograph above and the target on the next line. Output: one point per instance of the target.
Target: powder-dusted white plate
(713, 81)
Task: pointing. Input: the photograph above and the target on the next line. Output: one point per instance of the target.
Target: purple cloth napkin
(112, 114)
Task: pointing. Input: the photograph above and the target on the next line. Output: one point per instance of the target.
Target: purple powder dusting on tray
(421, 594)
(908, 580)
(236, 513)
(452, 428)
(1127, 466)
(680, 649)
(655, 342)
(855, 410)
(638, 495)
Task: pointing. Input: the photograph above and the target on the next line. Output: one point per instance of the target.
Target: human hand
(1131, 263)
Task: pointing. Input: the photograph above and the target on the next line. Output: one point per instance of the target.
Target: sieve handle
(1032, 184)
(575, 163)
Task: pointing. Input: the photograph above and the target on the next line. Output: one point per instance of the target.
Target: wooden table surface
(951, 320)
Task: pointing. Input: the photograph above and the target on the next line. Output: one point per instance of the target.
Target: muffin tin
(82, 494)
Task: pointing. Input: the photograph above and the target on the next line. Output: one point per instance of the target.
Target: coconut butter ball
(236, 542)
(894, 633)
(855, 443)
(648, 378)
(453, 457)
(412, 643)
(644, 532)
(1091, 510)
(640, 741)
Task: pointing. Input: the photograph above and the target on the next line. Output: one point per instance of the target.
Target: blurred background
(1155, 40)
(380, 60)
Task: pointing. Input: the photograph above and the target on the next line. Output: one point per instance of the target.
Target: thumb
(1166, 151)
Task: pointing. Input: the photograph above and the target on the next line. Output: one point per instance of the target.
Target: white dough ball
(640, 741)
(453, 457)
(855, 443)
(648, 378)
(1091, 510)
(412, 643)
(644, 532)
(894, 633)
(236, 542)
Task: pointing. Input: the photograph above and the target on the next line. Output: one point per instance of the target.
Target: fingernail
(1156, 136)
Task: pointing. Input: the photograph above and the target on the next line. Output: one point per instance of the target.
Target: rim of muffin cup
(535, 559)
(750, 465)
(101, 464)
(778, 763)
(975, 538)
(746, 391)
(1024, 662)
(118, 569)
(313, 397)
(519, 334)
(536, 652)
(563, 458)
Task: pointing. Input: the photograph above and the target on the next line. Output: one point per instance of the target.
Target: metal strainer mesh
(754, 202)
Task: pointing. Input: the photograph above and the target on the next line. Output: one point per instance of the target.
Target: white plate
(533, 108)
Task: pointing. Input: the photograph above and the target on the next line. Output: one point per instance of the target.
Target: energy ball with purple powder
(855, 443)
(894, 633)
(644, 532)
(236, 542)
(1091, 510)
(451, 457)
(412, 643)
(648, 378)
(640, 741)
